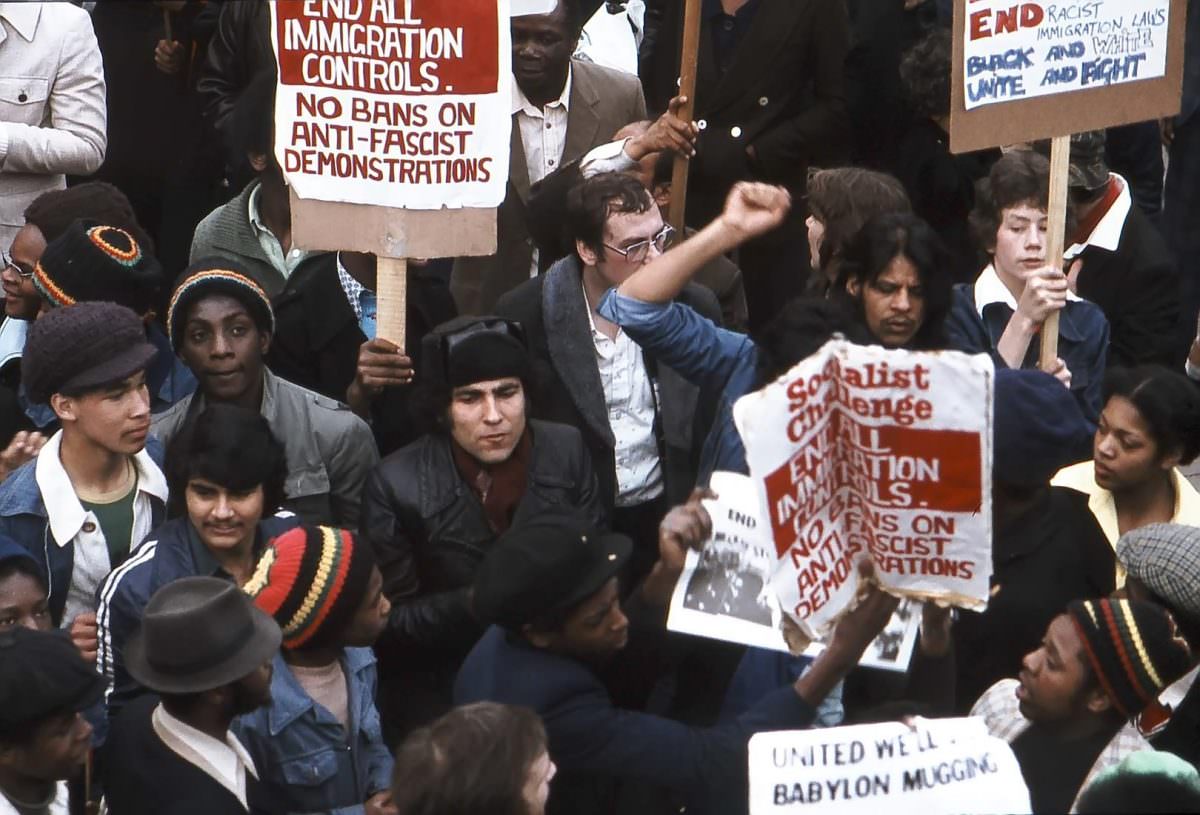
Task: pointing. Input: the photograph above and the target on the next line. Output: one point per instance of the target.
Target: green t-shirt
(116, 522)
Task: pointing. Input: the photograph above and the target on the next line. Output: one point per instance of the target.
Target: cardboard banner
(725, 593)
(394, 103)
(1031, 69)
(1021, 50)
(944, 765)
(865, 450)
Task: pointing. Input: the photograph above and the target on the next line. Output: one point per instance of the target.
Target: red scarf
(499, 487)
(1088, 225)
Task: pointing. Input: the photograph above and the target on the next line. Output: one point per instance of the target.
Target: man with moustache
(434, 508)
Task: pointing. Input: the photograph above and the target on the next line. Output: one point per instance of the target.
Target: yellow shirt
(1082, 477)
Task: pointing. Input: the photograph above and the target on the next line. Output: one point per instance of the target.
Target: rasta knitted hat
(91, 261)
(1166, 559)
(1135, 649)
(312, 579)
(83, 347)
(217, 276)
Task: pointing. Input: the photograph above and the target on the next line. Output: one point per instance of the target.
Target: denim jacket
(714, 359)
(51, 539)
(306, 761)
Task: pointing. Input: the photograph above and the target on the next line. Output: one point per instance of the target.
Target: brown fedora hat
(197, 634)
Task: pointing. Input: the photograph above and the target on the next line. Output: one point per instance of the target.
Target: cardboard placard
(865, 450)
(724, 591)
(1024, 70)
(394, 103)
(941, 765)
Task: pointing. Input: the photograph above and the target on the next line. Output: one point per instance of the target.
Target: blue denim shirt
(306, 760)
(714, 359)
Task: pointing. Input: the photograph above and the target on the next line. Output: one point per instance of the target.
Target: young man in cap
(206, 650)
(642, 421)
(320, 744)
(95, 489)
(549, 590)
(225, 471)
(221, 325)
(1067, 716)
(1127, 269)
(432, 510)
(44, 684)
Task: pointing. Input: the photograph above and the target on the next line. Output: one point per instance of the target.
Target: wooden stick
(391, 297)
(1056, 215)
(167, 25)
(687, 87)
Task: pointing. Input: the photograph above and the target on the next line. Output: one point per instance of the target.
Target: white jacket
(53, 119)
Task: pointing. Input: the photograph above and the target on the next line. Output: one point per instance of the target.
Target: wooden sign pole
(167, 24)
(687, 87)
(391, 299)
(1060, 155)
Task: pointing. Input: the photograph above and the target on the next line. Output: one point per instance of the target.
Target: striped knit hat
(94, 262)
(312, 579)
(217, 276)
(1134, 648)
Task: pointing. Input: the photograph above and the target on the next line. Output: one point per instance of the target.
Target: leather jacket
(429, 534)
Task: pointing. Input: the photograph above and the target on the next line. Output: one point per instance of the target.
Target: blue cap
(1038, 428)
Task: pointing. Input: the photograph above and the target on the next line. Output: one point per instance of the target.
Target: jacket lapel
(583, 117)
(571, 350)
(518, 170)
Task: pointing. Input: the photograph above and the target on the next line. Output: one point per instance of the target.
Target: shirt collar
(520, 103)
(65, 513)
(23, 17)
(256, 222)
(351, 287)
(1107, 234)
(989, 288)
(222, 761)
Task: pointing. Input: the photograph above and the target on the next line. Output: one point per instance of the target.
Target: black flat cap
(42, 674)
(546, 566)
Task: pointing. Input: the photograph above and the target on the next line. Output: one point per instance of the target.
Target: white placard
(394, 103)
(865, 450)
(1020, 50)
(940, 766)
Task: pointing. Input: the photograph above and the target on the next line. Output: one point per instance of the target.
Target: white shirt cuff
(607, 158)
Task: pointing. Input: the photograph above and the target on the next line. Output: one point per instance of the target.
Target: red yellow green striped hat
(312, 580)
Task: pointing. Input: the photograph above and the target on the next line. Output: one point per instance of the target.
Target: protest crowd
(255, 557)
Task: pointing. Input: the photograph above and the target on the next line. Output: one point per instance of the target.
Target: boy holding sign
(1003, 311)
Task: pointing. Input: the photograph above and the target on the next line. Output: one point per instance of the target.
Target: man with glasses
(433, 509)
(639, 418)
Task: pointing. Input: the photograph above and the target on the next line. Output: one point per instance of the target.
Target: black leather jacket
(239, 49)
(429, 533)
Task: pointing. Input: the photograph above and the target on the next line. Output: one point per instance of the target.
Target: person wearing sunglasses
(642, 422)
(433, 509)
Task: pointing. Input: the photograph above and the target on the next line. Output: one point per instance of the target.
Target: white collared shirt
(58, 806)
(989, 288)
(629, 397)
(225, 762)
(70, 522)
(285, 264)
(543, 130)
(1107, 234)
